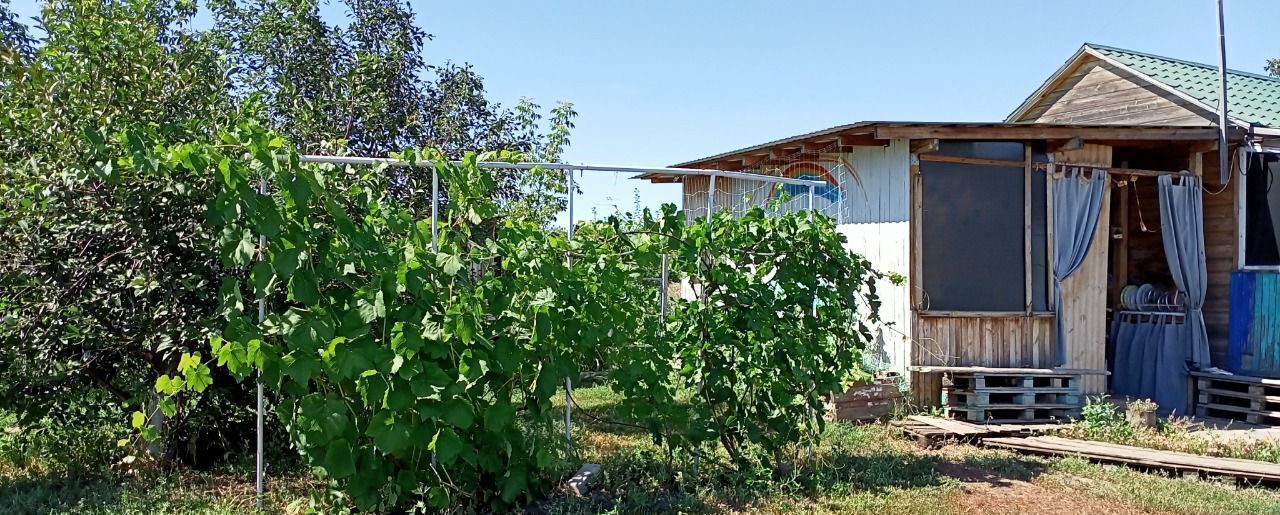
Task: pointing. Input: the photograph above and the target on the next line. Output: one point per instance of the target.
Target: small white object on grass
(580, 483)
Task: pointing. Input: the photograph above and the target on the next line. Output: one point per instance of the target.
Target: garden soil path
(988, 492)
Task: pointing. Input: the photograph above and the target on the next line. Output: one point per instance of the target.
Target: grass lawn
(858, 469)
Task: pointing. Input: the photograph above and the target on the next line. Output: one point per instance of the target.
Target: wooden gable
(1094, 91)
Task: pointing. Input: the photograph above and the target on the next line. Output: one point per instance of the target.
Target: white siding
(881, 191)
(874, 185)
(876, 209)
(886, 246)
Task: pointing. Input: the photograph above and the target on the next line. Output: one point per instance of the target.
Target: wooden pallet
(1013, 414)
(994, 396)
(1014, 397)
(989, 380)
(865, 403)
(1176, 462)
(1255, 400)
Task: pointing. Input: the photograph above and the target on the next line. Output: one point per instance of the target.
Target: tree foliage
(108, 269)
(103, 256)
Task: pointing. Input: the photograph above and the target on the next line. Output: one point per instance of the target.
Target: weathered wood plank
(953, 426)
(1053, 372)
(1124, 454)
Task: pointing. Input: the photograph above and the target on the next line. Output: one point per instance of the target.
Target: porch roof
(873, 133)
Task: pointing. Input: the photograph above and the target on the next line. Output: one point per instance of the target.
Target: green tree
(367, 86)
(1273, 67)
(103, 258)
(107, 267)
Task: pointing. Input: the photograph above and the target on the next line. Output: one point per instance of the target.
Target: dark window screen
(1262, 211)
(972, 255)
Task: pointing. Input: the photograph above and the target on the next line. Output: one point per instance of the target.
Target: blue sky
(658, 83)
(662, 82)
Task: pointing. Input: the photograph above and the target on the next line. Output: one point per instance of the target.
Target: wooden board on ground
(1179, 462)
(930, 431)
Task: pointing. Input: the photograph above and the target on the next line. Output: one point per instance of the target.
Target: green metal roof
(1251, 98)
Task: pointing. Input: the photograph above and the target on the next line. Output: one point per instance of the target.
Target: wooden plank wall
(1084, 307)
(1220, 245)
(1099, 92)
(1084, 294)
(992, 341)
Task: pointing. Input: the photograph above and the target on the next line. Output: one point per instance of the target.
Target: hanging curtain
(1150, 359)
(1182, 227)
(1077, 204)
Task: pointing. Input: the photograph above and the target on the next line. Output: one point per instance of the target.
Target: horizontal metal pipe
(349, 160)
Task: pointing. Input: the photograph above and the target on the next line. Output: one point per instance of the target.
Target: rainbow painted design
(810, 170)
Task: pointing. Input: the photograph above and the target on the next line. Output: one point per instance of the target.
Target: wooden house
(965, 210)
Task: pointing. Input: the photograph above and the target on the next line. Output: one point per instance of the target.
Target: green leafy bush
(779, 319)
(407, 371)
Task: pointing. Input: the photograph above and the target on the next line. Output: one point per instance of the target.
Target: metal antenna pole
(568, 381)
(435, 209)
(1224, 174)
(262, 315)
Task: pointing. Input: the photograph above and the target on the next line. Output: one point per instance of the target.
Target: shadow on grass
(995, 469)
(57, 495)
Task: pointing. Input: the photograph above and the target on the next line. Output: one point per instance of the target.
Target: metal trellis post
(662, 289)
(435, 208)
(809, 445)
(262, 315)
(568, 381)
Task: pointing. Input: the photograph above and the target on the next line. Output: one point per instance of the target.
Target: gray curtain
(1077, 203)
(1150, 359)
(1182, 227)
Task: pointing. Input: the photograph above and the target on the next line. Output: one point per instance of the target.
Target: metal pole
(352, 160)
(1224, 174)
(662, 289)
(435, 209)
(711, 204)
(809, 445)
(262, 315)
(711, 198)
(568, 381)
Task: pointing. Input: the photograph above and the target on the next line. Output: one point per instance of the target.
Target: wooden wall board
(1084, 294)
(1098, 93)
(986, 341)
